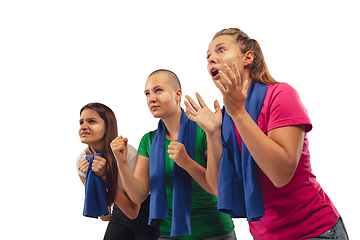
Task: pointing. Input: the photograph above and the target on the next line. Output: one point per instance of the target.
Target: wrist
(215, 132)
(187, 165)
(103, 177)
(239, 115)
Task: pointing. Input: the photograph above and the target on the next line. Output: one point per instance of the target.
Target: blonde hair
(259, 71)
(173, 78)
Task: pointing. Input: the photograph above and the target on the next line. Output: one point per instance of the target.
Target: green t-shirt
(206, 221)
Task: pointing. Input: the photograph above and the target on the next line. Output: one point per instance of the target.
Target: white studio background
(56, 56)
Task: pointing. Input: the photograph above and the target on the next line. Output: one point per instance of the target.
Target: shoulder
(280, 90)
(131, 153)
(81, 156)
(131, 157)
(145, 143)
(148, 136)
(283, 107)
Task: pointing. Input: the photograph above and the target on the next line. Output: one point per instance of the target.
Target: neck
(97, 148)
(172, 124)
(246, 76)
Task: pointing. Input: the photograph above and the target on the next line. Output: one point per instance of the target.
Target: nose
(212, 59)
(83, 126)
(151, 98)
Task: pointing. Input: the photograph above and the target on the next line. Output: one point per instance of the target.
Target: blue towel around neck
(95, 193)
(182, 181)
(238, 186)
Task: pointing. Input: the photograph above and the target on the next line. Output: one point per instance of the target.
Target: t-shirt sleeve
(145, 144)
(201, 137)
(78, 160)
(286, 108)
(131, 157)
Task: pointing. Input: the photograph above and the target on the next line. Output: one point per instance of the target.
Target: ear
(178, 95)
(249, 58)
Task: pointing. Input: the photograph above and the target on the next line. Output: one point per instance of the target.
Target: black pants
(121, 227)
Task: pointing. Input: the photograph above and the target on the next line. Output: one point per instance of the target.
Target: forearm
(132, 185)
(198, 173)
(128, 207)
(278, 164)
(214, 152)
(82, 179)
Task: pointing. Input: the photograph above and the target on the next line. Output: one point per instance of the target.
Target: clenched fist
(119, 148)
(177, 152)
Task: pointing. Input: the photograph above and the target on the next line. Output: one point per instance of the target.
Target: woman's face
(224, 50)
(92, 129)
(160, 96)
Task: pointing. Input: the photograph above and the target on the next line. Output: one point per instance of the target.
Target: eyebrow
(216, 46)
(91, 118)
(146, 90)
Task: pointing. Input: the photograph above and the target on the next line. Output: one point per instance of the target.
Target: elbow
(132, 215)
(134, 212)
(105, 218)
(283, 178)
(213, 184)
(281, 183)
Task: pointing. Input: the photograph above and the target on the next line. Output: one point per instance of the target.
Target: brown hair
(111, 133)
(259, 71)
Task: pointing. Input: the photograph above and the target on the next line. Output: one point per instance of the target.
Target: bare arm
(210, 122)
(126, 205)
(137, 184)
(277, 154)
(178, 153)
(214, 158)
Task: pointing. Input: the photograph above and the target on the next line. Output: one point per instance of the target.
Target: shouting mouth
(215, 73)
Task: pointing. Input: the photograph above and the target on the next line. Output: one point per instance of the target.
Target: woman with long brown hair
(263, 128)
(98, 128)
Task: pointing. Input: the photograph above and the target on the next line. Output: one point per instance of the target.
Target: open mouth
(214, 72)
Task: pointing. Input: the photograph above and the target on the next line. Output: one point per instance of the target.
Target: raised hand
(83, 166)
(99, 166)
(209, 121)
(177, 152)
(119, 148)
(234, 89)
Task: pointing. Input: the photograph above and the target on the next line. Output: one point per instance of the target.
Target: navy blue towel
(95, 193)
(238, 187)
(182, 181)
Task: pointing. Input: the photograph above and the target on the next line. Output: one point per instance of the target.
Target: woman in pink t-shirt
(295, 205)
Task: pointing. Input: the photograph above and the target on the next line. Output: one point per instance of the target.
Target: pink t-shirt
(300, 209)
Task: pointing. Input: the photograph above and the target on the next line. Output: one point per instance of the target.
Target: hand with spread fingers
(202, 115)
(233, 88)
